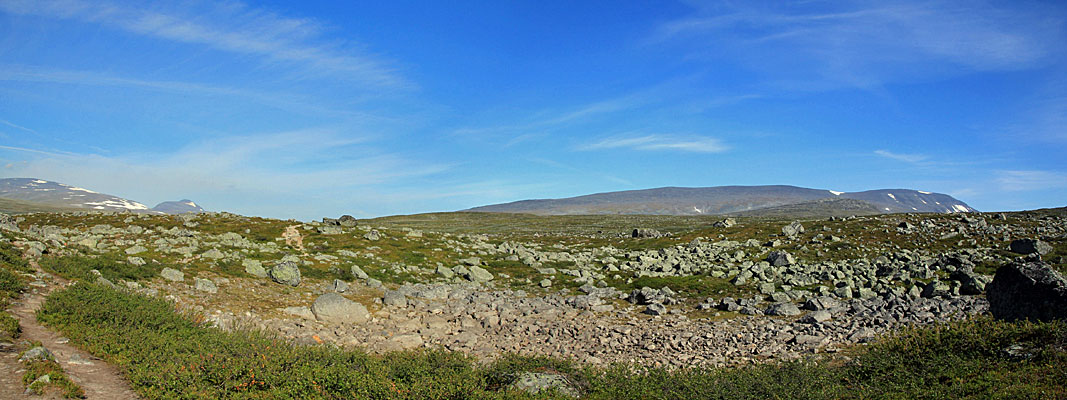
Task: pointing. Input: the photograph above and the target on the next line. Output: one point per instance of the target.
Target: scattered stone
(39, 353)
(372, 235)
(286, 273)
(395, 298)
(172, 275)
(792, 230)
(205, 285)
(815, 317)
(780, 258)
(783, 309)
(340, 286)
(358, 273)
(641, 233)
(655, 309)
(254, 268)
(214, 254)
(445, 272)
(478, 274)
(137, 249)
(137, 261)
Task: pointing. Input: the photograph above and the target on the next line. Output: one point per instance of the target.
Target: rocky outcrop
(1030, 291)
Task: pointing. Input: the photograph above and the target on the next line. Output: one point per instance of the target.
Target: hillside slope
(733, 200)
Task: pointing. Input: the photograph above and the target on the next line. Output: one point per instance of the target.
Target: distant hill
(31, 194)
(739, 200)
(178, 207)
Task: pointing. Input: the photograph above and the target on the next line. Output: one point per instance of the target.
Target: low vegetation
(57, 379)
(170, 355)
(12, 284)
(110, 267)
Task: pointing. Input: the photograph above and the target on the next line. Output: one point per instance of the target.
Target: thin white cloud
(866, 44)
(908, 158)
(225, 26)
(1027, 180)
(693, 144)
(289, 174)
(287, 101)
(19, 127)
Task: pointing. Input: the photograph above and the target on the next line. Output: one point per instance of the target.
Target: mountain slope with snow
(54, 195)
(747, 200)
(62, 195)
(183, 206)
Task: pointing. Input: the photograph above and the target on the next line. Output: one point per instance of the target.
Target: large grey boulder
(1031, 291)
(347, 221)
(1030, 246)
(332, 307)
(286, 273)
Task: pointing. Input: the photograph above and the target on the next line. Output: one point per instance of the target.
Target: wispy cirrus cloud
(226, 26)
(905, 157)
(283, 101)
(692, 144)
(865, 44)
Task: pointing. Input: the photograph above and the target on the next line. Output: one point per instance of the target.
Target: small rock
(655, 309)
(340, 286)
(358, 273)
(38, 353)
(254, 268)
(783, 309)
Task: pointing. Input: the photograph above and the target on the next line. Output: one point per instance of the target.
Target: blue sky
(314, 108)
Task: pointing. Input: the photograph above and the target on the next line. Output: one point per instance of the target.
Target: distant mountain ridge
(731, 200)
(183, 206)
(63, 196)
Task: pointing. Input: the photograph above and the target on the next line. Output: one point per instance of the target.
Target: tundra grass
(168, 355)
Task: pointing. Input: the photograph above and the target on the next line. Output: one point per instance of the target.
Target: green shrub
(56, 376)
(111, 267)
(9, 327)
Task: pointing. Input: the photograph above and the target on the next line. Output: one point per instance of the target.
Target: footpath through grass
(168, 355)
